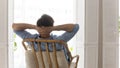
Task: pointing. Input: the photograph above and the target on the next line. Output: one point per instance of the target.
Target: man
(44, 28)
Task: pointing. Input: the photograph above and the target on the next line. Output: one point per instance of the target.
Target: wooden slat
(41, 56)
(48, 56)
(34, 53)
(24, 45)
(55, 55)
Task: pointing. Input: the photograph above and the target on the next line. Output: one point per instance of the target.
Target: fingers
(44, 29)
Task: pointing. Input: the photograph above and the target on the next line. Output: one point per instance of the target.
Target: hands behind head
(44, 31)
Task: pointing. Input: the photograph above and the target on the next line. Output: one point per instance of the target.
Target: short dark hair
(45, 21)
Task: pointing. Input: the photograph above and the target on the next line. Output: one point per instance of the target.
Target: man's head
(45, 21)
(43, 24)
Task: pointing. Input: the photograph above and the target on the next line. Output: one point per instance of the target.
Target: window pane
(29, 11)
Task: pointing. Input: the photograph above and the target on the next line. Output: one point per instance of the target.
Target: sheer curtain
(28, 11)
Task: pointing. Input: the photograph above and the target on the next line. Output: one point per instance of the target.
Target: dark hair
(45, 21)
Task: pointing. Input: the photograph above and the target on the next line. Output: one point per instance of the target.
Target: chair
(46, 58)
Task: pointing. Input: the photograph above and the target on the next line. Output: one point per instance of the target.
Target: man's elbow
(13, 25)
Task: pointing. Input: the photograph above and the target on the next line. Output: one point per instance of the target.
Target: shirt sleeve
(24, 34)
(66, 36)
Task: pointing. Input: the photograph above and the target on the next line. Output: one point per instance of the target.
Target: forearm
(22, 26)
(64, 27)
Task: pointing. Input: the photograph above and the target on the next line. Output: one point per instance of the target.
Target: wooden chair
(46, 58)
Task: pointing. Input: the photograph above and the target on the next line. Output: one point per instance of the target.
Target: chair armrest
(75, 64)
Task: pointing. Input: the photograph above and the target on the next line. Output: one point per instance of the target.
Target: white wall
(110, 34)
(3, 35)
(91, 33)
(80, 19)
(101, 34)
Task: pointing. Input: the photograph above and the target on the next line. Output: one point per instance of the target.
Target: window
(63, 11)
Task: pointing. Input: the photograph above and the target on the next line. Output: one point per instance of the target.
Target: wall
(91, 33)
(80, 19)
(101, 34)
(110, 34)
(3, 35)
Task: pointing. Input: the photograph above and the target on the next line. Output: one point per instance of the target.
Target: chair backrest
(45, 58)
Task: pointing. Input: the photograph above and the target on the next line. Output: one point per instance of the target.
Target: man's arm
(71, 30)
(22, 26)
(64, 27)
(19, 29)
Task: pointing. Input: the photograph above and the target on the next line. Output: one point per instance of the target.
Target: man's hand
(44, 31)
